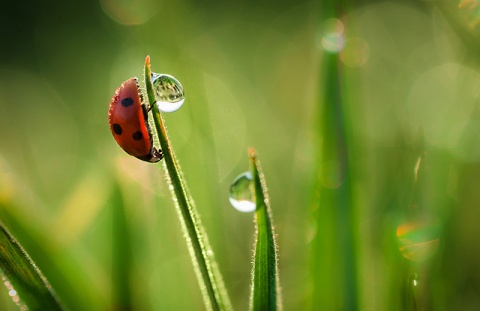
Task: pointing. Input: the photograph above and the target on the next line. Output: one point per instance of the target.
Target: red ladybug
(128, 120)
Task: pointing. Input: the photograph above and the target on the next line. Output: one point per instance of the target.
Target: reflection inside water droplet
(242, 194)
(168, 92)
(418, 239)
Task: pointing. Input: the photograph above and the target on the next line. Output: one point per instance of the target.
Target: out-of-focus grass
(242, 65)
(24, 281)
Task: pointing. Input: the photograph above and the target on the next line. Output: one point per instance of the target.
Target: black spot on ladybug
(127, 101)
(137, 135)
(117, 129)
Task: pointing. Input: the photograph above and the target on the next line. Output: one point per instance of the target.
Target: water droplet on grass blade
(242, 193)
(168, 92)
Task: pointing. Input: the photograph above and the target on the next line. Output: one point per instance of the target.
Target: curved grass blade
(211, 283)
(22, 276)
(266, 287)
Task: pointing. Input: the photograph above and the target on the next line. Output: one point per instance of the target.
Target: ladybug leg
(145, 111)
(147, 108)
(157, 153)
(154, 156)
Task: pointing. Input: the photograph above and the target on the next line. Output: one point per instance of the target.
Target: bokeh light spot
(418, 238)
(333, 39)
(355, 53)
(441, 99)
(129, 12)
(331, 174)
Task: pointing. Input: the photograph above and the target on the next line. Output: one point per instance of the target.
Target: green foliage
(335, 119)
(265, 288)
(24, 279)
(122, 266)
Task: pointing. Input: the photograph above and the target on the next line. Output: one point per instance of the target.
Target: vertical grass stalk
(211, 283)
(334, 274)
(265, 281)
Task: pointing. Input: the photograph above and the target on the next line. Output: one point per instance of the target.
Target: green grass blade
(23, 275)
(121, 254)
(334, 247)
(211, 283)
(265, 289)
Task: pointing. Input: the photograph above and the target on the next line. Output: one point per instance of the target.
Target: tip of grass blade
(265, 293)
(149, 89)
(147, 70)
(209, 277)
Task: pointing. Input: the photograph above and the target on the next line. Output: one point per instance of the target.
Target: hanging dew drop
(242, 194)
(168, 92)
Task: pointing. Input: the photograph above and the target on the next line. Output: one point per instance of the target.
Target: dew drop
(418, 238)
(168, 92)
(414, 280)
(241, 194)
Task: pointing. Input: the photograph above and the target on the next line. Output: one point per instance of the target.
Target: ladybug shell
(128, 122)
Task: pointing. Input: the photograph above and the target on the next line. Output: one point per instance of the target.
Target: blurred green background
(255, 75)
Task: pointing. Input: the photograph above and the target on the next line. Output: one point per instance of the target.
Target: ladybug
(128, 120)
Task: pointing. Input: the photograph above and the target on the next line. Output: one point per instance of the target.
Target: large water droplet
(418, 238)
(242, 193)
(168, 92)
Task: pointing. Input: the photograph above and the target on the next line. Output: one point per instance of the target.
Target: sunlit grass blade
(23, 277)
(211, 283)
(265, 288)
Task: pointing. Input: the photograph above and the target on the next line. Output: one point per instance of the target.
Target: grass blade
(121, 254)
(334, 257)
(265, 289)
(211, 283)
(23, 275)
